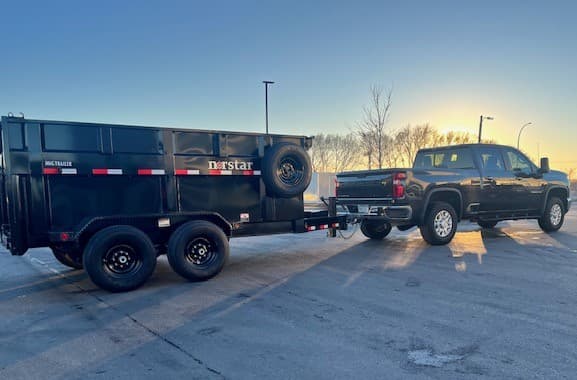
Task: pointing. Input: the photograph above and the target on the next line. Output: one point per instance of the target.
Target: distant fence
(322, 185)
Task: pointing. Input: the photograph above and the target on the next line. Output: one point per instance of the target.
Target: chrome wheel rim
(555, 214)
(443, 223)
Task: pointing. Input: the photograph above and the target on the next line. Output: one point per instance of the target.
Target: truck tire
(198, 250)
(119, 258)
(286, 170)
(553, 216)
(440, 224)
(71, 259)
(376, 230)
(487, 224)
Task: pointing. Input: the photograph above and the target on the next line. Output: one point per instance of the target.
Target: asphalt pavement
(493, 304)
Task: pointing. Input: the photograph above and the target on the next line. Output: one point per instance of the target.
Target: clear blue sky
(200, 64)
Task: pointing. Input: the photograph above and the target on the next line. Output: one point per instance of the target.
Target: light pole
(521, 130)
(266, 83)
(481, 124)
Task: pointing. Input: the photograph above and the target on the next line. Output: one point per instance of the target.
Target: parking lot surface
(493, 304)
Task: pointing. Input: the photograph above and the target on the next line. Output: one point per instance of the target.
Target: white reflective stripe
(157, 172)
(193, 172)
(114, 171)
(226, 172)
(68, 171)
(256, 172)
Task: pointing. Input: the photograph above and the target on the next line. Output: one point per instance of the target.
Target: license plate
(363, 209)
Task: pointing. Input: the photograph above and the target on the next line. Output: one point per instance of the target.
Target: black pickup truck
(485, 183)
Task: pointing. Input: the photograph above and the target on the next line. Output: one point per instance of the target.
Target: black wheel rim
(121, 260)
(290, 171)
(200, 252)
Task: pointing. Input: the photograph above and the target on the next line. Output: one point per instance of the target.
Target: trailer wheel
(375, 230)
(119, 258)
(198, 250)
(72, 259)
(440, 224)
(286, 170)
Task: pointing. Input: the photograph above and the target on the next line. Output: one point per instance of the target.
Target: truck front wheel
(375, 230)
(198, 250)
(553, 216)
(440, 224)
(119, 258)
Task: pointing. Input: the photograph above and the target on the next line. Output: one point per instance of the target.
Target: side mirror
(545, 165)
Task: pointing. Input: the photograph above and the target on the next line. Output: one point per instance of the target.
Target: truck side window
(491, 159)
(519, 163)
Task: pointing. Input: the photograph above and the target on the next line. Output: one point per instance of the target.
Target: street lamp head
(488, 118)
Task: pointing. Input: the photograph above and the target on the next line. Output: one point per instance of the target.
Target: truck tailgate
(365, 184)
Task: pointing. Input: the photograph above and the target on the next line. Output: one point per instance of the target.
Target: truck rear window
(445, 159)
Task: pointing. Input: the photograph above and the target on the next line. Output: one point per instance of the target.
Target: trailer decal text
(230, 165)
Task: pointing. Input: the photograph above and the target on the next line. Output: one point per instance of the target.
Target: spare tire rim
(290, 172)
(443, 223)
(555, 214)
(121, 259)
(200, 252)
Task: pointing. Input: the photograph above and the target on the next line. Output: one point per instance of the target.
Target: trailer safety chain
(355, 228)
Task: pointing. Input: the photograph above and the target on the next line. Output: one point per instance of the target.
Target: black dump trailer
(111, 198)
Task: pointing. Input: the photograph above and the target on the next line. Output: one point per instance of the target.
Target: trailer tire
(375, 230)
(440, 224)
(198, 250)
(286, 170)
(119, 258)
(71, 259)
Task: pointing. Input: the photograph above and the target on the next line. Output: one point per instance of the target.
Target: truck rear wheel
(72, 259)
(198, 250)
(553, 216)
(119, 258)
(440, 224)
(376, 230)
(286, 170)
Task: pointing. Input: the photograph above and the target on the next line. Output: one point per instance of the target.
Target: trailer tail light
(64, 236)
(399, 185)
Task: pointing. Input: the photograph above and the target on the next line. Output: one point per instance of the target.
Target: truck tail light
(399, 185)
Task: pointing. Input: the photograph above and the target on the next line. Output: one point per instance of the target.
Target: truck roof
(463, 146)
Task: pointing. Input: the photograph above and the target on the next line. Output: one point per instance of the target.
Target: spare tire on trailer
(286, 170)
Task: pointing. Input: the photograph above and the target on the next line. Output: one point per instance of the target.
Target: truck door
(527, 187)
(496, 190)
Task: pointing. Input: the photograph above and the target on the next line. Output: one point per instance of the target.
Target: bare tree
(333, 153)
(412, 138)
(371, 130)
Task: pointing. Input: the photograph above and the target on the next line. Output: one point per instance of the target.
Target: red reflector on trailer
(107, 171)
(335, 225)
(64, 236)
(219, 172)
(151, 172)
(186, 172)
(311, 228)
(51, 171)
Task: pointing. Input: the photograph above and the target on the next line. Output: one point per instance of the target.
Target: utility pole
(266, 83)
